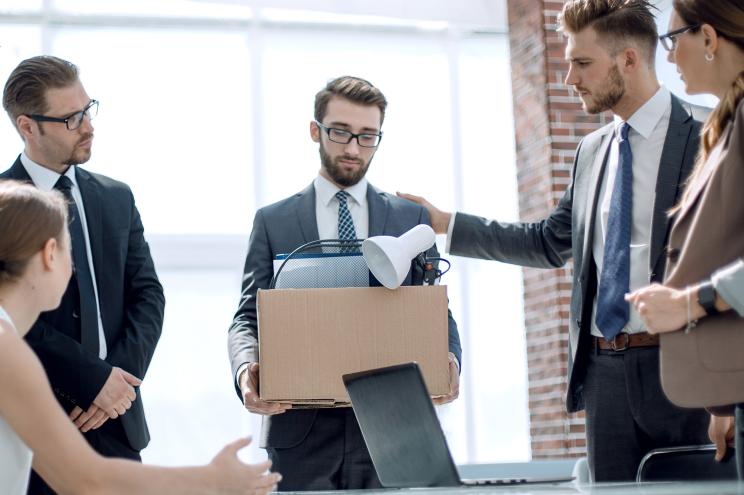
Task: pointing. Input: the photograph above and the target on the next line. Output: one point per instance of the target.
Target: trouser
(333, 456)
(109, 440)
(628, 415)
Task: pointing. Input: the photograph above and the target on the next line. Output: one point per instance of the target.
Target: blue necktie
(82, 278)
(346, 229)
(614, 281)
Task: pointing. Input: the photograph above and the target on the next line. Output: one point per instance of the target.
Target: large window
(205, 111)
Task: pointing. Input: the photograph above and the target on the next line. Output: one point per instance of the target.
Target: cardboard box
(309, 338)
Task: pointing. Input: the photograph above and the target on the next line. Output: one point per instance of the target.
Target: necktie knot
(624, 129)
(342, 197)
(64, 184)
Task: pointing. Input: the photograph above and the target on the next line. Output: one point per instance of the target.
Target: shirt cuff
(450, 229)
(241, 368)
(729, 284)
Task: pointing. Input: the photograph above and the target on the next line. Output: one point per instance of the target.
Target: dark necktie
(346, 230)
(83, 279)
(614, 281)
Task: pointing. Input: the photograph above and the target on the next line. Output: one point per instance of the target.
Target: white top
(15, 456)
(45, 180)
(648, 130)
(326, 208)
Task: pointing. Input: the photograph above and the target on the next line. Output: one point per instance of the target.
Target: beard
(79, 155)
(609, 93)
(336, 171)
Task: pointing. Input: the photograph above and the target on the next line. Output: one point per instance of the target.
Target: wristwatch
(707, 298)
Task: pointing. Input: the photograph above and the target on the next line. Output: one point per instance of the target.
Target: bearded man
(323, 449)
(612, 221)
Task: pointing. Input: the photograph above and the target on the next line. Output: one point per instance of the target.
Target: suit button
(75, 315)
(672, 254)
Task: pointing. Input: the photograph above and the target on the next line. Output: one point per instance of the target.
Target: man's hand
(248, 381)
(92, 419)
(721, 433)
(439, 219)
(454, 379)
(117, 393)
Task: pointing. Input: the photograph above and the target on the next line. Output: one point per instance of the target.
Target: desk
(570, 488)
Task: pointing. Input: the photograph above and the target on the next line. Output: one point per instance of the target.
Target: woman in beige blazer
(705, 271)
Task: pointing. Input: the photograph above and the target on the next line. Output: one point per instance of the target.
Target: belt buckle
(613, 342)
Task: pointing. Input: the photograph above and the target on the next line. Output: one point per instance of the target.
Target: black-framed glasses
(342, 136)
(72, 121)
(669, 40)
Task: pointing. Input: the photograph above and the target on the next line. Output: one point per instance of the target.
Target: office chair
(696, 462)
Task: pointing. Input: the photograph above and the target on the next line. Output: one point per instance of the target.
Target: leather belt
(624, 341)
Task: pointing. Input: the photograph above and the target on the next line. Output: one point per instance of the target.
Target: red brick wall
(549, 123)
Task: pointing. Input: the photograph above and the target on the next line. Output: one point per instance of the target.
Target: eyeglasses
(341, 136)
(669, 40)
(74, 120)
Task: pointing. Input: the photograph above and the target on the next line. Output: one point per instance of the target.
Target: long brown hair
(727, 18)
(29, 217)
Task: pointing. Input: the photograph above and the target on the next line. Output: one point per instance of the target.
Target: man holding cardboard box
(323, 449)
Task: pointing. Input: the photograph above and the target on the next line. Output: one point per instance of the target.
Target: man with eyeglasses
(96, 346)
(613, 221)
(322, 449)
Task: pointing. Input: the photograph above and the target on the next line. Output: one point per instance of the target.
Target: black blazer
(569, 230)
(281, 228)
(130, 297)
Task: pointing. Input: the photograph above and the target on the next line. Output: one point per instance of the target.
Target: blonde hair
(29, 217)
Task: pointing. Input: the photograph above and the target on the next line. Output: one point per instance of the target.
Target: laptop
(402, 431)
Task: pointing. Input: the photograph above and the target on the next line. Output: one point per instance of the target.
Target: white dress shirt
(647, 134)
(45, 179)
(326, 208)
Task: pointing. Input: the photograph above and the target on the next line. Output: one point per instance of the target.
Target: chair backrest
(696, 462)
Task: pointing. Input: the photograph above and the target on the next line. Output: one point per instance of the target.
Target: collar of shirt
(645, 119)
(325, 191)
(44, 178)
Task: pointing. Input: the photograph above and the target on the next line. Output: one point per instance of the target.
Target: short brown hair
(26, 88)
(354, 89)
(29, 217)
(615, 21)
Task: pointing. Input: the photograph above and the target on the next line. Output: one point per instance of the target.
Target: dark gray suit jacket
(131, 304)
(281, 228)
(569, 230)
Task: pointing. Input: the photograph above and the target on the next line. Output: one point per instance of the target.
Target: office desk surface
(571, 488)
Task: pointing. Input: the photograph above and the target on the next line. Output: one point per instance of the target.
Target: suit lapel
(92, 202)
(305, 209)
(598, 169)
(670, 176)
(378, 209)
(18, 171)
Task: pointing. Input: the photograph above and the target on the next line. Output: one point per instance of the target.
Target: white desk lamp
(389, 258)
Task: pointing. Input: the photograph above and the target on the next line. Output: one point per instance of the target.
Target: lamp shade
(389, 258)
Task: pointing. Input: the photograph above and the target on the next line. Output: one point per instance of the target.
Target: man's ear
(26, 127)
(314, 131)
(630, 59)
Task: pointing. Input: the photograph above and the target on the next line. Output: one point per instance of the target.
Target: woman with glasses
(35, 267)
(705, 272)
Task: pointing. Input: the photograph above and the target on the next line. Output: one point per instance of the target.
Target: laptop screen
(401, 428)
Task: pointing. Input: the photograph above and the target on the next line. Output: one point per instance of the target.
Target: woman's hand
(232, 476)
(721, 433)
(662, 308)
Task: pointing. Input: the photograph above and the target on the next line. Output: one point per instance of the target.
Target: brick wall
(549, 123)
